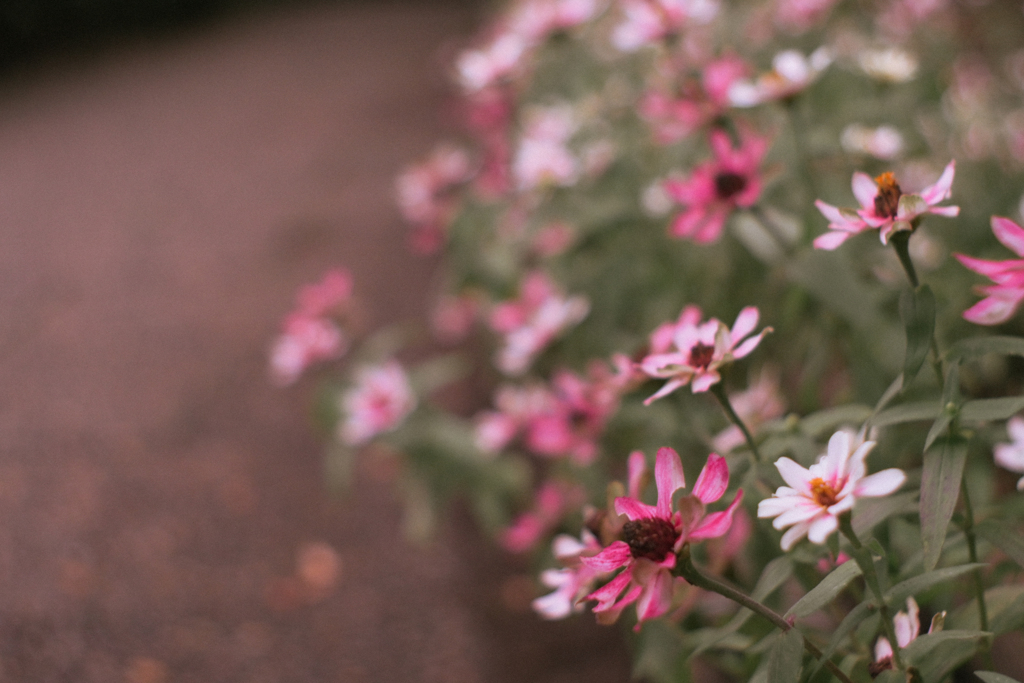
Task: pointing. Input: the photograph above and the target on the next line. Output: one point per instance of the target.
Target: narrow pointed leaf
(979, 346)
(917, 311)
(950, 404)
(986, 409)
(1003, 536)
(826, 590)
(919, 411)
(905, 589)
(940, 488)
(993, 677)
(786, 657)
(871, 512)
(892, 392)
(827, 420)
(1005, 607)
(935, 655)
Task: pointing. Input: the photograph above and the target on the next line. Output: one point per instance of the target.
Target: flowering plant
(629, 165)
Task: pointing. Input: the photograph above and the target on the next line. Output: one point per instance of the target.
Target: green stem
(867, 566)
(723, 400)
(688, 571)
(901, 243)
(972, 549)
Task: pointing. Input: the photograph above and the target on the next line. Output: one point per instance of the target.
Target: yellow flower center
(887, 201)
(823, 493)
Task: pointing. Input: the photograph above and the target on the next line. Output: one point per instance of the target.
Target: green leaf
(950, 404)
(904, 589)
(917, 311)
(871, 512)
(979, 346)
(845, 628)
(936, 654)
(827, 420)
(892, 392)
(918, 411)
(993, 677)
(1005, 607)
(940, 487)
(786, 657)
(826, 590)
(986, 409)
(1004, 536)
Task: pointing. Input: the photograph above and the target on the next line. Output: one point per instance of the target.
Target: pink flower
(700, 350)
(815, 497)
(1004, 297)
(331, 295)
(543, 157)
(791, 73)
(797, 16)
(655, 533)
(649, 21)
(907, 626)
(884, 207)
(526, 530)
(716, 188)
(379, 401)
(425, 195)
(516, 406)
(572, 583)
(755, 406)
(533, 321)
(1010, 456)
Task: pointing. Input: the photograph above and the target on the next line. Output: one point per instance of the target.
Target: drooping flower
(535, 319)
(654, 534)
(698, 350)
(1004, 297)
(716, 188)
(791, 73)
(1010, 456)
(379, 401)
(907, 626)
(884, 207)
(815, 497)
(311, 332)
(571, 583)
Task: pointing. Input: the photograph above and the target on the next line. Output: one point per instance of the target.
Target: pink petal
(711, 230)
(865, 190)
(705, 381)
(669, 387)
(607, 593)
(745, 323)
(795, 475)
(612, 557)
(833, 467)
(668, 475)
(990, 269)
(880, 483)
(831, 240)
(948, 211)
(883, 649)
(713, 480)
(656, 598)
(1009, 233)
(634, 509)
(942, 187)
(749, 345)
(993, 310)
(717, 523)
(636, 466)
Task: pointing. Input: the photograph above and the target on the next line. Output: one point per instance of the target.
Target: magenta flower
(884, 207)
(379, 401)
(700, 349)
(654, 534)
(814, 498)
(1004, 297)
(716, 188)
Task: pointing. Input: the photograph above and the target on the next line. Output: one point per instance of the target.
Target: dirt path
(158, 208)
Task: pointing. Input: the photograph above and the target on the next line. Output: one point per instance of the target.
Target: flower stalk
(972, 550)
(723, 400)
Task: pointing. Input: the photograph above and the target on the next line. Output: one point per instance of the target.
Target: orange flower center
(701, 355)
(887, 201)
(823, 493)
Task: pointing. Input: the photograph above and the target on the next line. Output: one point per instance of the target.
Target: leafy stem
(972, 550)
(723, 399)
(688, 571)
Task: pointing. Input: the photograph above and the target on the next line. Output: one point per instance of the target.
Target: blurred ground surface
(162, 510)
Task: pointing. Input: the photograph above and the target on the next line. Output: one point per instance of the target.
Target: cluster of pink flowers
(425, 195)
(815, 497)
(543, 157)
(531, 322)
(647, 22)
(714, 189)
(884, 207)
(690, 352)
(1002, 299)
(654, 534)
(551, 501)
(565, 420)
(379, 400)
(310, 332)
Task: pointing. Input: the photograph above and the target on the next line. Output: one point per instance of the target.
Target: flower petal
(656, 598)
(717, 523)
(745, 323)
(713, 480)
(797, 476)
(612, 557)
(636, 466)
(668, 475)
(821, 528)
(880, 483)
(794, 534)
(942, 188)
(1009, 233)
(865, 190)
(634, 509)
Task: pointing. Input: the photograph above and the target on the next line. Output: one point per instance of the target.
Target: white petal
(880, 483)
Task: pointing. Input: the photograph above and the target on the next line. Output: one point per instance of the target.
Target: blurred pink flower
(649, 21)
(760, 403)
(550, 502)
(672, 118)
(1010, 456)
(574, 581)
(379, 401)
(700, 350)
(543, 157)
(655, 533)
(425, 195)
(907, 626)
(1002, 298)
(797, 16)
(716, 188)
(534, 320)
(791, 73)
(814, 498)
(884, 206)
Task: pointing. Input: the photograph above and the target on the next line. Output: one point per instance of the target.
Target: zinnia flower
(716, 188)
(700, 350)
(814, 498)
(1010, 456)
(655, 533)
(1004, 297)
(884, 206)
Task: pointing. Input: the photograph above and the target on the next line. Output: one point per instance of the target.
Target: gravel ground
(164, 512)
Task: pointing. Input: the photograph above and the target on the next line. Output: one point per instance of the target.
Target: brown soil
(164, 514)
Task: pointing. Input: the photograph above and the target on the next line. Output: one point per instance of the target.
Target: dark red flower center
(887, 201)
(651, 537)
(823, 493)
(728, 185)
(701, 355)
